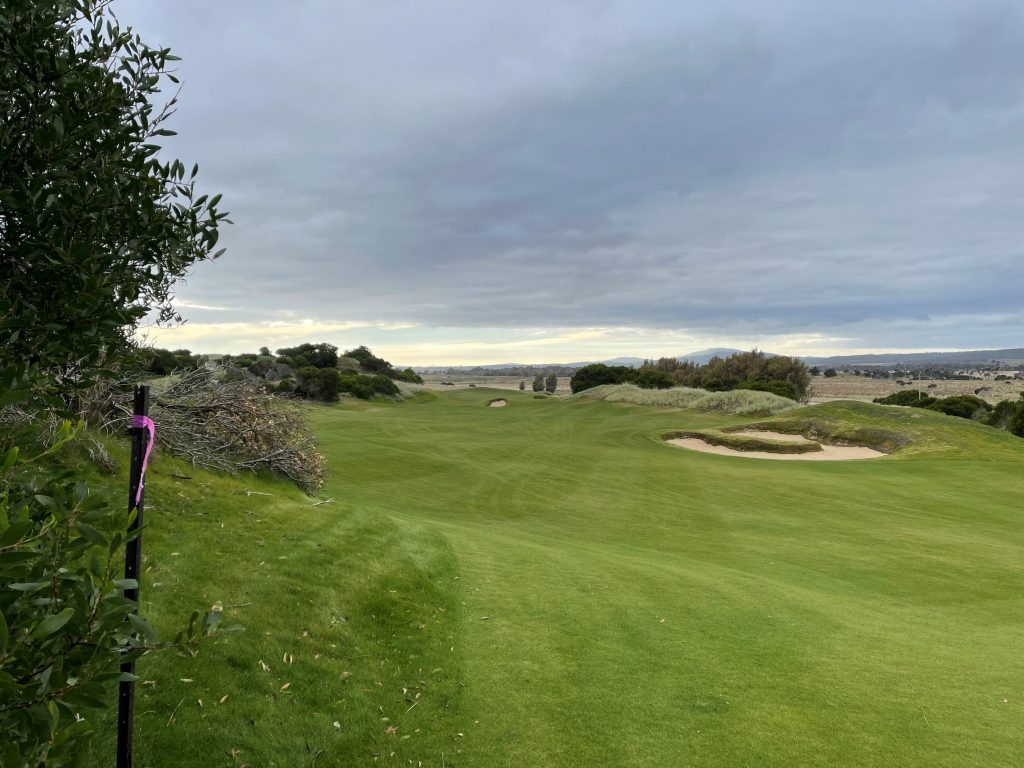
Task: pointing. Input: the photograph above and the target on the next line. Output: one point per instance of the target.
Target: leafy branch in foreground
(95, 226)
(65, 625)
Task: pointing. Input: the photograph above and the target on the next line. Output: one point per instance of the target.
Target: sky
(541, 181)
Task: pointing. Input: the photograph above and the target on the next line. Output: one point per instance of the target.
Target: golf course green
(550, 584)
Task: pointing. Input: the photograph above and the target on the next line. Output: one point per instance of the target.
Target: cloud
(745, 170)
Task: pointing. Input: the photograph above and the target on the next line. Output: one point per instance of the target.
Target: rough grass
(549, 584)
(743, 402)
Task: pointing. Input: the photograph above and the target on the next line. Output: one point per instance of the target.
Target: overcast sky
(487, 181)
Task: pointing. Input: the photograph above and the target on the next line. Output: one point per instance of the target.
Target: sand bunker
(827, 452)
(498, 403)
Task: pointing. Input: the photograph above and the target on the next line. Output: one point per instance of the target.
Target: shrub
(912, 398)
(551, 382)
(408, 375)
(367, 387)
(963, 406)
(596, 374)
(652, 379)
(316, 355)
(65, 624)
(780, 388)
(538, 383)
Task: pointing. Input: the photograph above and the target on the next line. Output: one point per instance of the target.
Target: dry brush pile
(219, 419)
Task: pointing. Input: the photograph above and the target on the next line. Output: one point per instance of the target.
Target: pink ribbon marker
(144, 422)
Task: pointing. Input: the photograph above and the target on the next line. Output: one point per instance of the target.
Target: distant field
(549, 584)
(433, 381)
(849, 387)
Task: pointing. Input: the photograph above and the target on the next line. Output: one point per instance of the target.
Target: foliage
(368, 361)
(538, 383)
(648, 378)
(315, 355)
(830, 373)
(551, 382)
(367, 387)
(963, 406)
(65, 624)
(162, 362)
(596, 374)
(318, 383)
(912, 398)
(408, 375)
(784, 376)
(95, 227)
(780, 388)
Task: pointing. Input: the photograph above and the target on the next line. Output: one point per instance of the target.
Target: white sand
(827, 452)
(498, 403)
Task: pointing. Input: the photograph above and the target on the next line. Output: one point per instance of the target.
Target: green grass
(563, 589)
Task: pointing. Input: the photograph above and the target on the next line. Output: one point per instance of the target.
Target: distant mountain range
(702, 356)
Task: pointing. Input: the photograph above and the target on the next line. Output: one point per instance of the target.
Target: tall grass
(743, 402)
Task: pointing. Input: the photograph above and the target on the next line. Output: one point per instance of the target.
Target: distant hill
(919, 358)
(702, 356)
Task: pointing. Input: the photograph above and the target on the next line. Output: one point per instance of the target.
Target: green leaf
(52, 623)
(4, 633)
(126, 584)
(14, 533)
(9, 459)
(91, 535)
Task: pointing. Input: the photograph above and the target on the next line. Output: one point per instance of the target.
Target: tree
(95, 226)
(316, 355)
(551, 382)
(830, 373)
(650, 378)
(538, 383)
(595, 374)
(522, 385)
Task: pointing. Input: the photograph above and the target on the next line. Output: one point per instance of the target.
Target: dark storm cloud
(780, 167)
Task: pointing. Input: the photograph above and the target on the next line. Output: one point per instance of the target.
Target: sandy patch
(827, 452)
(781, 437)
(498, 403)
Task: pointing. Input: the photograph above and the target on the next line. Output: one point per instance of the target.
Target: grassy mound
(742, 402)
(743, 442)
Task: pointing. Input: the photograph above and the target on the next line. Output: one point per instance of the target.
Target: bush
(368, 387)
(596, 374)
(963, 406)
(911, 398)
(408, 375)
(651, 379)
(780, 388)
(65, 624)
(319, 383)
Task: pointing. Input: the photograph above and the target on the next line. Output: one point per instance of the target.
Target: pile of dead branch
(219, 418)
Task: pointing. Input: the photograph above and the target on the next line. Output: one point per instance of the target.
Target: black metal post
(132, 567)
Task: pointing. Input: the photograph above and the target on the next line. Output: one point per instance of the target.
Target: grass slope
(570, 591)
